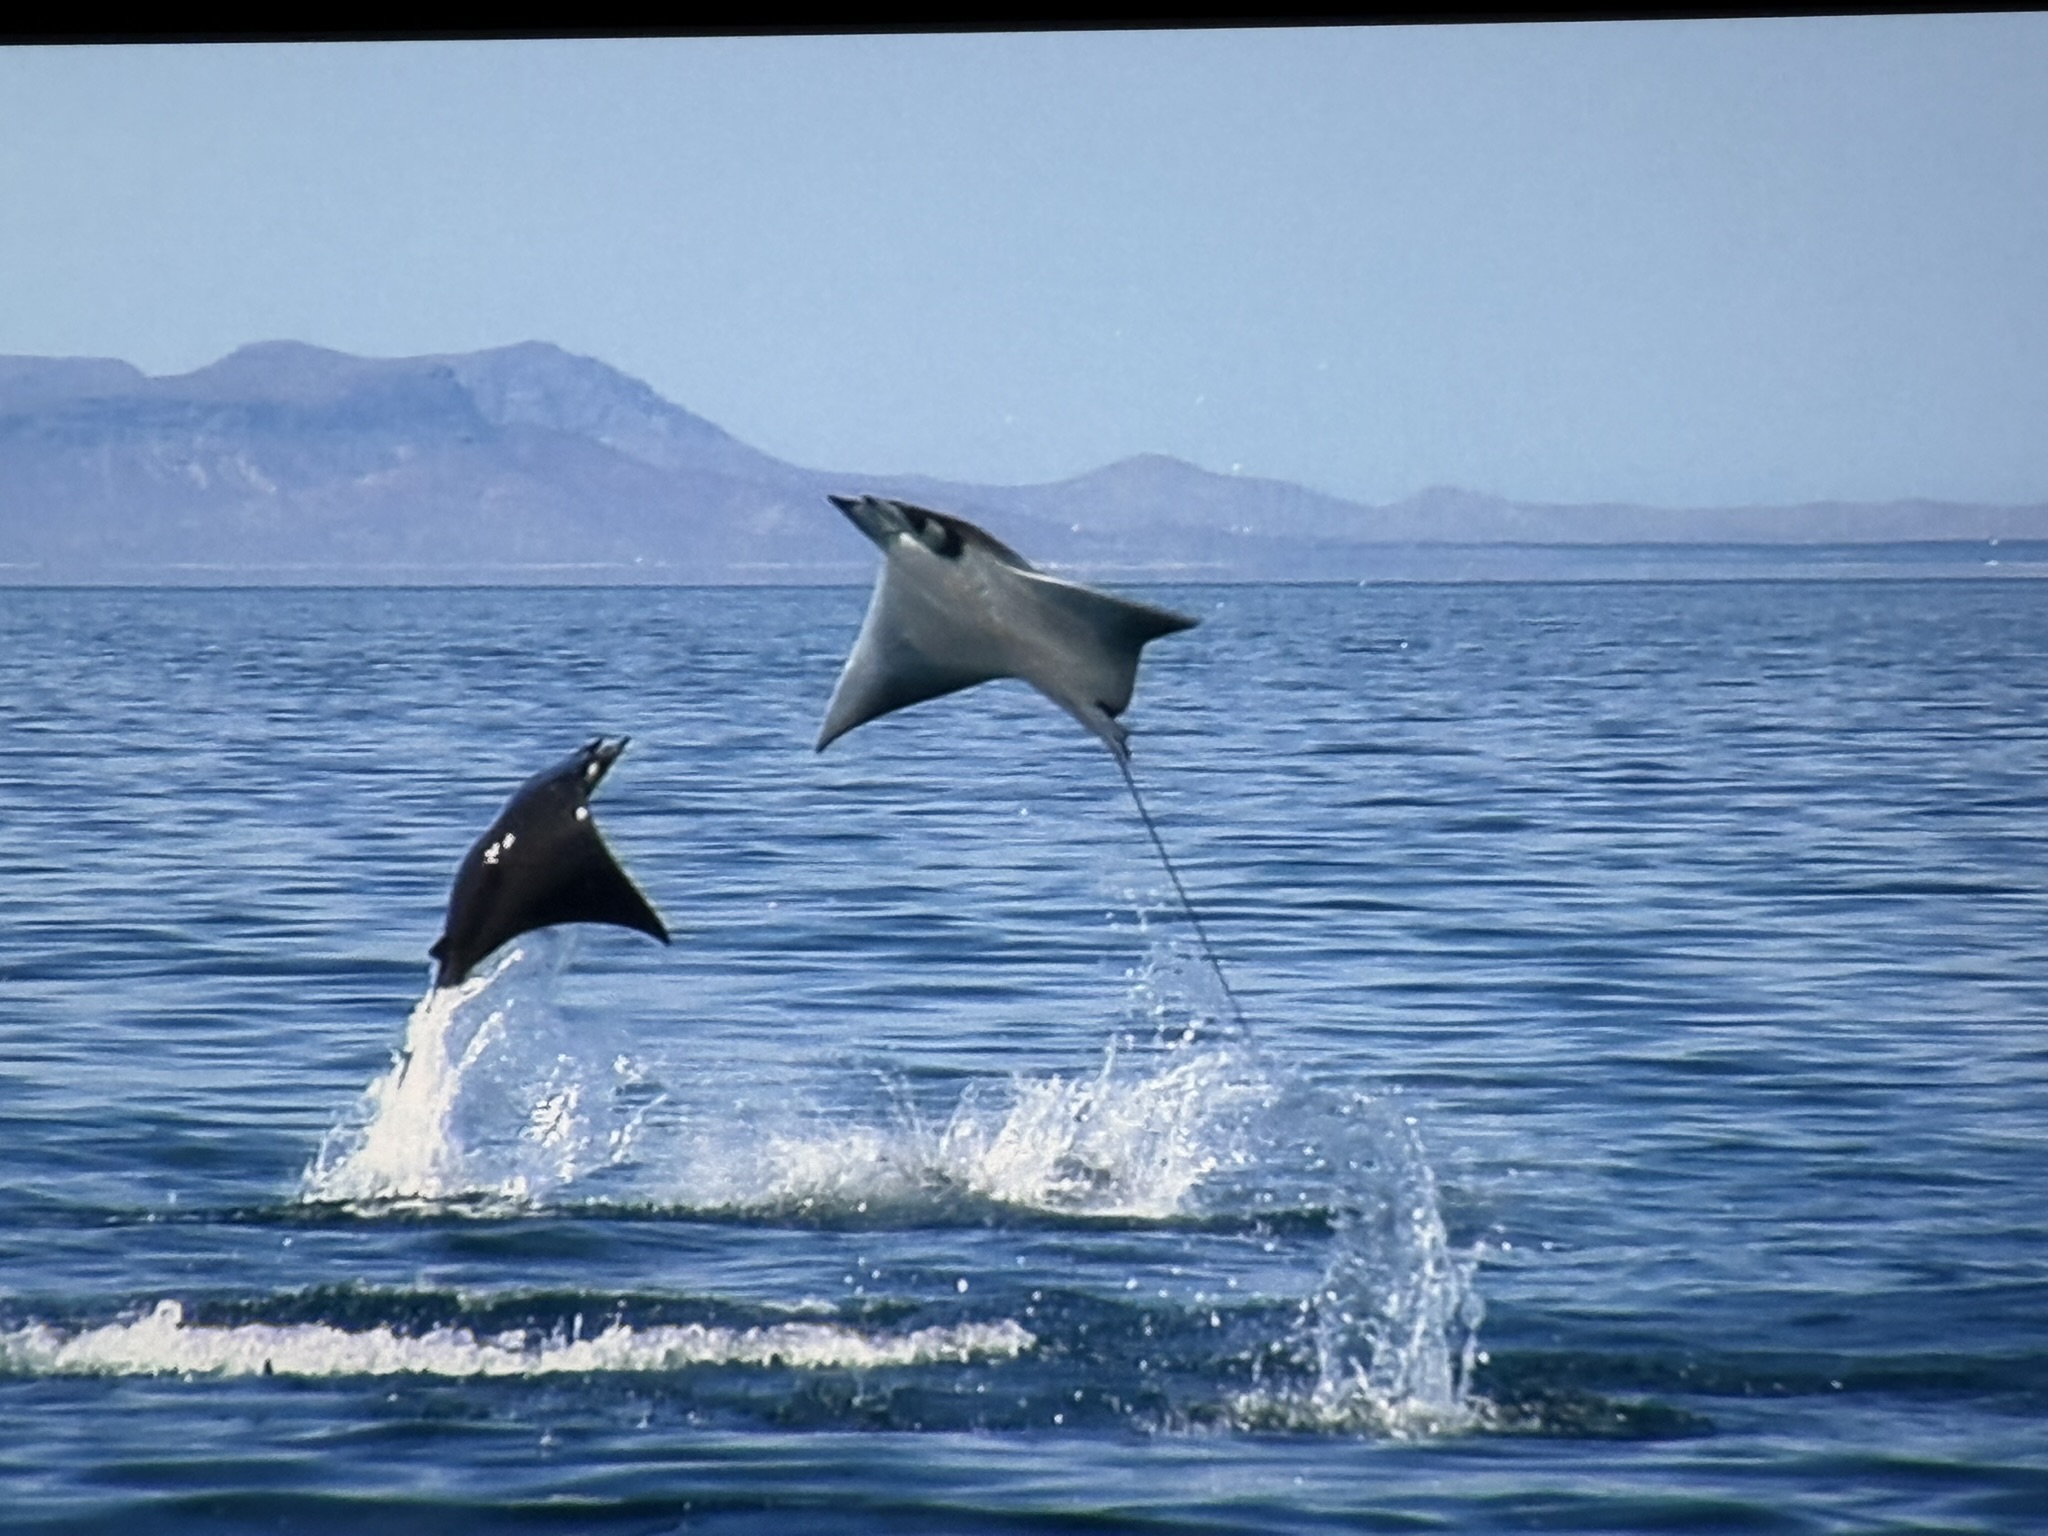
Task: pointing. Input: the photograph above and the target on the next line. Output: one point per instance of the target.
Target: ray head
(890, 523)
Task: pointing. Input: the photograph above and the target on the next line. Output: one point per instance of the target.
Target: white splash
(1135, 1138)
(495, 1097)
(1393, 1323)
(163, 1344)
(490, 1096)
(1127, 1141)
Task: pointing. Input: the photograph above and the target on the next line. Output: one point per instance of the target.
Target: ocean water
(1639, 1120)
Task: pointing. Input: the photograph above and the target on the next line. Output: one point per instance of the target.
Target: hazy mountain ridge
(291, 462)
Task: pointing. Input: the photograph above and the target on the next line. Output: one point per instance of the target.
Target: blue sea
(1638, 1120)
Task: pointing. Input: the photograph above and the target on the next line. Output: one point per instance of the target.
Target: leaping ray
(542, 862)
(954, 606)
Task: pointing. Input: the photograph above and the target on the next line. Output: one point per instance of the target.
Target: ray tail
(1123, 762)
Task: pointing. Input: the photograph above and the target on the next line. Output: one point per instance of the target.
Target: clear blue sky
(1682, 263)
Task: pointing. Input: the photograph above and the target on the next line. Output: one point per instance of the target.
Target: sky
(1697, 263)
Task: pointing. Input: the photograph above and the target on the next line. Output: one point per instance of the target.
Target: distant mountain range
(286, 462)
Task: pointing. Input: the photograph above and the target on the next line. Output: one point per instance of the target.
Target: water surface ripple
(1640, 1123)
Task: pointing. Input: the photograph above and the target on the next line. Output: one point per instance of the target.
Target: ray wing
(1103, 634)
(587, 885)
(899, 659)
(1085, 652)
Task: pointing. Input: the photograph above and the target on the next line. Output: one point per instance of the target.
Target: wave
(162, 1343)
(1058, 1359)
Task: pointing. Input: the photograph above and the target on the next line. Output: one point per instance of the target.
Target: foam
(162, 1343)
(1357, 1412)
